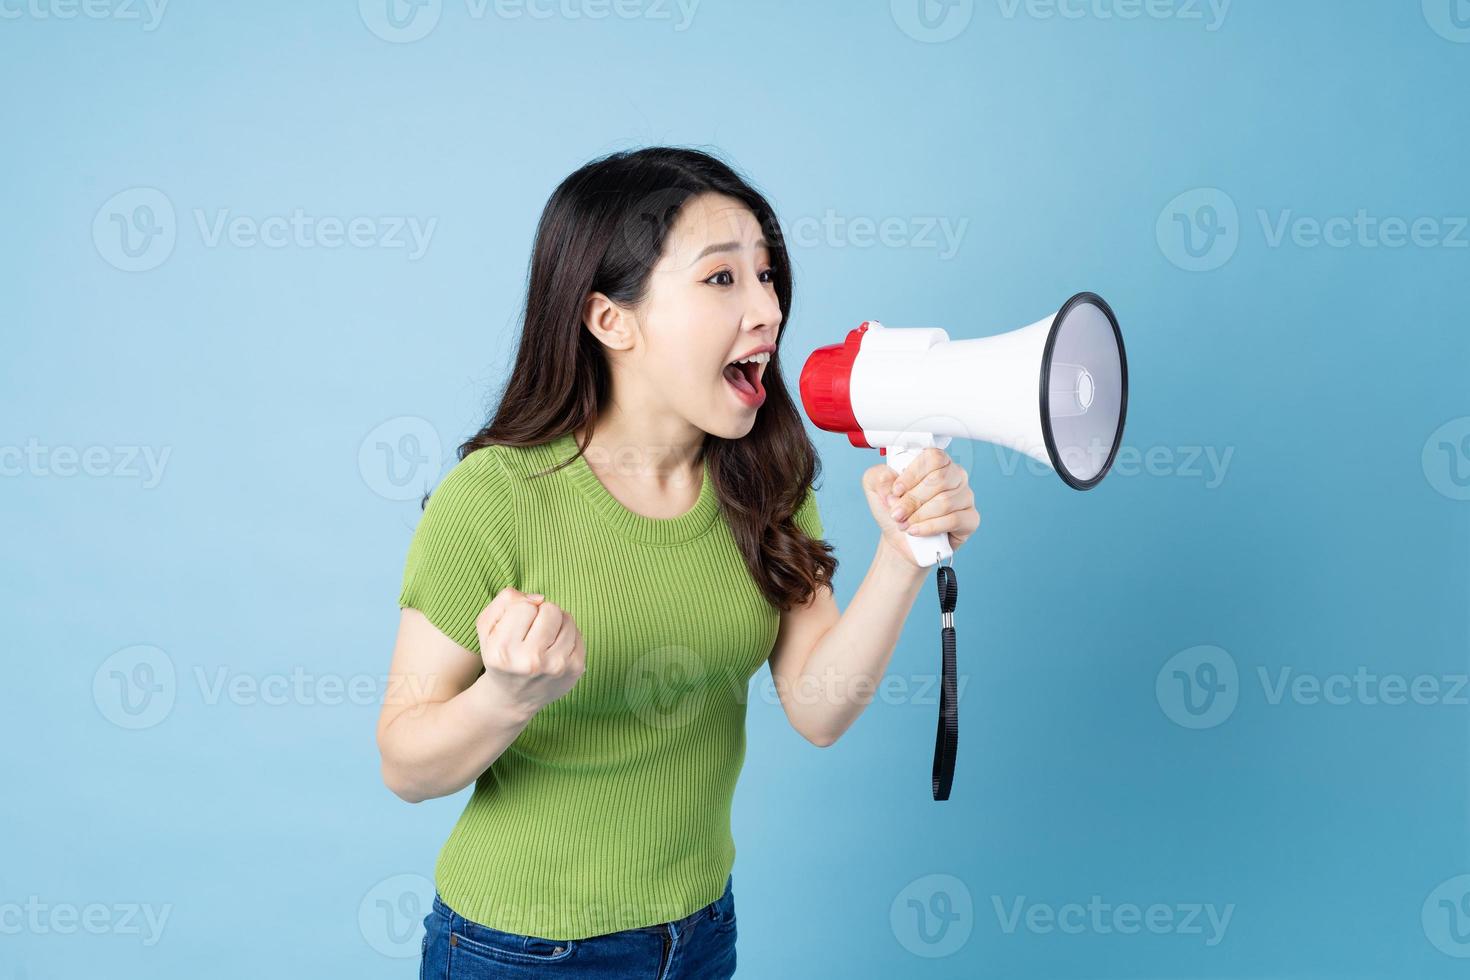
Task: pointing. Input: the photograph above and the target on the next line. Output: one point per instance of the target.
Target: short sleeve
(463, 551)
(808, 517)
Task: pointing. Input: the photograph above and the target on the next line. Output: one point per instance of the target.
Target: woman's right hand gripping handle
(448, 716)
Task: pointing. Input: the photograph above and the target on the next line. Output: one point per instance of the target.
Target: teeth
(755, 359)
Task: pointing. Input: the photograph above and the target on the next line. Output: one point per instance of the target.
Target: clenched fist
(532, 649)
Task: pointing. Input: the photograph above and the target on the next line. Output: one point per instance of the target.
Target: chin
(731, 428)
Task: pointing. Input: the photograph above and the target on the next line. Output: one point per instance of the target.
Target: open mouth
(745, 377)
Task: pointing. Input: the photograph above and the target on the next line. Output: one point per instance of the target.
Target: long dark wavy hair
(603, 230)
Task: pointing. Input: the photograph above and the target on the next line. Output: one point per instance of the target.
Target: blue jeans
(700, 946)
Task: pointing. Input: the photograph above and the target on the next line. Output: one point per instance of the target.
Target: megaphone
(1056, 390)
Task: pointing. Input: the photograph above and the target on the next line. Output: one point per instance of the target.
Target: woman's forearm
(438, 748)
(845, 667)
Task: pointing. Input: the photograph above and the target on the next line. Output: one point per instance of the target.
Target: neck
(652, 448)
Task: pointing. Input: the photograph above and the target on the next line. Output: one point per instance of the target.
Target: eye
(767, 276)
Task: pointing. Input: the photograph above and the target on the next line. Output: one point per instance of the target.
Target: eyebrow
(728, 247)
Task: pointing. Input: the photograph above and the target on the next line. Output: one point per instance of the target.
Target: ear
(608, 322)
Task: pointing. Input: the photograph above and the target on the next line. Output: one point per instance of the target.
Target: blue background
(1334, 539)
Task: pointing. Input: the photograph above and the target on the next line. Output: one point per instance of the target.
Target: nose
(762, 310)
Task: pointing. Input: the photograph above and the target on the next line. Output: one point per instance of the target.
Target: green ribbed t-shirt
(611, 809)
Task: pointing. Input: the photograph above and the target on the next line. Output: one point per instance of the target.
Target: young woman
(592, 586)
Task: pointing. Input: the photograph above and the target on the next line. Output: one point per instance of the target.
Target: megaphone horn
(1056, 390)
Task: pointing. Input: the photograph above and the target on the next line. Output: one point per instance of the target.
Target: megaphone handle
(926, 548)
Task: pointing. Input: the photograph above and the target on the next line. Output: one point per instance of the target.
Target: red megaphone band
(825, 387)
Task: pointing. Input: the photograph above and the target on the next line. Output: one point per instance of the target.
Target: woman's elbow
(820, 739)
(395, 775)
(402, 788)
